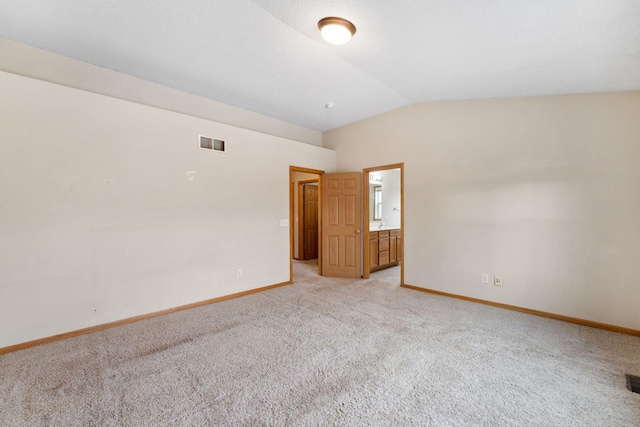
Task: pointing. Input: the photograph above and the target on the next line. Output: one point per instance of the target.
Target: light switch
(284, 223)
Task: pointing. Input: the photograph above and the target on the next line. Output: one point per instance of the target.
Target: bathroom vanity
(385, 232)
(385, 247)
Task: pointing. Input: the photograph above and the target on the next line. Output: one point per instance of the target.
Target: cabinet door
(384, 244)
(383, 257)
(399, 248)
(373, 252)
(393, 257)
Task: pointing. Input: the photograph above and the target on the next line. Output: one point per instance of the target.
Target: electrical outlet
(239, 272)
(497, 280)
(485, 278)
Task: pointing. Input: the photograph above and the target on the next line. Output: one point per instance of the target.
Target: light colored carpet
(328, 352)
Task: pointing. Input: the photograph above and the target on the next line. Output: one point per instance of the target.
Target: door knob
(357, 231)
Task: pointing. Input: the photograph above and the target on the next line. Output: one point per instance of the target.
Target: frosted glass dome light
(336, 30)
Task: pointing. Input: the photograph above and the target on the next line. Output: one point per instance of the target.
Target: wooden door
(310, 221)
(341, 216)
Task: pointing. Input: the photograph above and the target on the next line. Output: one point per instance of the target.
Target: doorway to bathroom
(383, 225)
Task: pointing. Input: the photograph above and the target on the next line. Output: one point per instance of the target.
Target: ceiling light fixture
(336, 30)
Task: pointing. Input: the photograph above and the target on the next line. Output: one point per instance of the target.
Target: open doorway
(383, 214)
(305, 219)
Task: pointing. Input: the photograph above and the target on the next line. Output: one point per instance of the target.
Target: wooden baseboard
(103, 326)
(582, 322)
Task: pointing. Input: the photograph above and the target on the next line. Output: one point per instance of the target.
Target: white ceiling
(267, 56)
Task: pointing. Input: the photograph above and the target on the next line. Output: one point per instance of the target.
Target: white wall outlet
(497, 280)
(485, 278)
(284, 223)
(239, 272)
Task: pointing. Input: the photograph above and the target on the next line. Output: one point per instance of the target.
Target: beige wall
(32, 62)
(543, 191)
(109, 210)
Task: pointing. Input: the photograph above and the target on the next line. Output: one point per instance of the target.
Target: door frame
(301, 212)
(366, 261)
(318, 172)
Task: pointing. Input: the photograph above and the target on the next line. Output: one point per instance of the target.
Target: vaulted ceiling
(267, 56)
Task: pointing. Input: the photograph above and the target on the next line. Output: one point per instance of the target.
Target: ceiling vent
(208, 143)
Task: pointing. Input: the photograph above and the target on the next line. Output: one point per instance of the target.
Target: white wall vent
(208, 143)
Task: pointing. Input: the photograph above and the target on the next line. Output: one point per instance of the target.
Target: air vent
(208, 143)
(633, 383)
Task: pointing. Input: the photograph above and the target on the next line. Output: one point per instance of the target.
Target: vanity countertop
(383, 228)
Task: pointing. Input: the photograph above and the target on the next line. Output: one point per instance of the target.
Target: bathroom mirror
(377, 202)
